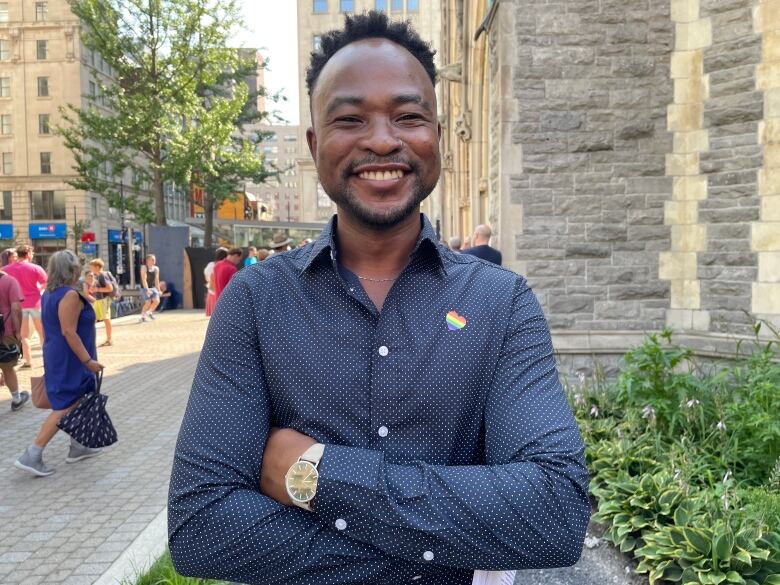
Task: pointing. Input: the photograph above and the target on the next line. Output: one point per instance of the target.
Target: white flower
(721, 426)
(581, 376)
(579, 399)
(594, 411)
(727, 476)
(677, 473)
(648, 412)
(691, 403)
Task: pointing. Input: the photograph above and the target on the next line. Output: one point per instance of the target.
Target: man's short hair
(251, 249)
(23, 251)
(371, 25)
(454, 242)
(221, 253)
(96, 262)
(235, 252)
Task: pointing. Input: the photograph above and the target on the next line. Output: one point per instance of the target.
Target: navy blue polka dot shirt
(449, 443)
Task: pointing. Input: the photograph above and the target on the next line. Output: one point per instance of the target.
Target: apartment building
(281, 196)
(316, 17)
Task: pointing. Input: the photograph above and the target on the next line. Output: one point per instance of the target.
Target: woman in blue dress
(69, 357)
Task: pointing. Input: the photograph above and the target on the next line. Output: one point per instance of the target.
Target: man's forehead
(375, 56)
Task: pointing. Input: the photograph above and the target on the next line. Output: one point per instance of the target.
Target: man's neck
(378, 253)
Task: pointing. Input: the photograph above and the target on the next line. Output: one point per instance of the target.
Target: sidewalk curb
(142, 553)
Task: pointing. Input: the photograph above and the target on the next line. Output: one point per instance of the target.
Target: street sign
(89, 248)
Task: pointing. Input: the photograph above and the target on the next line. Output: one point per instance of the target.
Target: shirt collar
(427, 244)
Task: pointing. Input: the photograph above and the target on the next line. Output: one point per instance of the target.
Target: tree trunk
(208, 212)
(159, 198)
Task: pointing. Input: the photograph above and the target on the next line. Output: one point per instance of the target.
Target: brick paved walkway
(70, 527)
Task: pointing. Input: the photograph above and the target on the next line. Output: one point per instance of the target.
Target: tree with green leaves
(148, 117)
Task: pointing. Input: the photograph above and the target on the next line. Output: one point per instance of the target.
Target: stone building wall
(592, 86)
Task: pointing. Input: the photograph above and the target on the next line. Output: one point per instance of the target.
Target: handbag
(9, 353)
(89, 423)
(38, 390)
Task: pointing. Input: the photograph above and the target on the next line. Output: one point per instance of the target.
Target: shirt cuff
(348, 489)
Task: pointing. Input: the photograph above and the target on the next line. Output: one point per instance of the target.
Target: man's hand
(283, 448)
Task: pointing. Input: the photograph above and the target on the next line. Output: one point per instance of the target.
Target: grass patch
(163, 573)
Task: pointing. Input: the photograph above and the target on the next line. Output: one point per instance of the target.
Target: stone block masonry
(592, 84)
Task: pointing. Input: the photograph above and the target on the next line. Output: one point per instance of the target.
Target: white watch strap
(313, 454)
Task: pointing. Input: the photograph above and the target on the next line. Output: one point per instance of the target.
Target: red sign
(88, 237)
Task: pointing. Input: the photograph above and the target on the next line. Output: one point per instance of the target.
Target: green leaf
(722, 545)
(772, 580)
(734, 577)
(698, 539)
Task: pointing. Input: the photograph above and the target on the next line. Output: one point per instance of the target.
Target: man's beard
(345, 199)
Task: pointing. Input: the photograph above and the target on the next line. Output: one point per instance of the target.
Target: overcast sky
(272, 28)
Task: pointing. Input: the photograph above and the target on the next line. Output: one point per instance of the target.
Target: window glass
(320, 6)
(42, 49)
(413, 5)
(5, 87)
(316, 44)
(47, 204)
(92, 89)
(381, 4)
(46, 163)
(3, 11)
(43, 124)
(6, 205)
(5, 49)
(5, 124)
(41, 11)
(43, 87)
(8, 163)
(347, 5)
(397, 5)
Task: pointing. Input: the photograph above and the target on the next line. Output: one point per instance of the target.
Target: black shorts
(9, 354)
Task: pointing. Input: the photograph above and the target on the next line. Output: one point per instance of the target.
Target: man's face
(234, 258)
(375, 135)
(151, 262)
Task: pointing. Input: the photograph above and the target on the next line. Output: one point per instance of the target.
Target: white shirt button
(341, 524)
(383, 351)
(383, 431)
(416, 577)
(428, 555)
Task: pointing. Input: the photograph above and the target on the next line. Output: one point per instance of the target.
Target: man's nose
(381, 138)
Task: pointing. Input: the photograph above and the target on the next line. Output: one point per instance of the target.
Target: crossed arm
(526, 507)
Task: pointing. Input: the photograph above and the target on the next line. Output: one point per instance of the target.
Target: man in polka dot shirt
(372, 407)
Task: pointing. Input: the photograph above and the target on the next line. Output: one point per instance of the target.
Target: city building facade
(625, 155)
(316, 17)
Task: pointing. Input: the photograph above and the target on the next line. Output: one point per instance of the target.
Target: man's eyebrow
(337, 102)
(412, 98)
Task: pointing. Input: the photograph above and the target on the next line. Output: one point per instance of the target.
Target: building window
(3, 11)
(347, 5)
(8, 163)
(320, 6)
(412, 5)
(5, 87)
(316, 44)
(381, 5)
(396, 5)
(92, 89)
(6, 206)
(5, 124)
(47, 204)
(41, 11)
(46, 163)
(43, 124)
(43, 87)
(5, 49)
(42, 49)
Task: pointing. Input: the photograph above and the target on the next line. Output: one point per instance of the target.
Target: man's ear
(311, 139)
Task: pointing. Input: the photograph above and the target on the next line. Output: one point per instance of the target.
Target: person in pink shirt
(225, 269)
(32, 280)
(10, 329)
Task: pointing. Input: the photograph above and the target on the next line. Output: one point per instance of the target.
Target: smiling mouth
(381, 175)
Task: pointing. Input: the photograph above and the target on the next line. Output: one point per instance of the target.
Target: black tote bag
(89, 423)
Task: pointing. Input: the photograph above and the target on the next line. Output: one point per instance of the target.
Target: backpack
(115, 293)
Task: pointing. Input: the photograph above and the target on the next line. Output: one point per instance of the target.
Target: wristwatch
(301, 479)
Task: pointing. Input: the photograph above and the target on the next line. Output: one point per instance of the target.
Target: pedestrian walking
(31, 279)
(101, 290)
(482, 248)
(150, 287)
(10, 331)
(69, 358)
(397, 403)
(208, 272)
(225, 269)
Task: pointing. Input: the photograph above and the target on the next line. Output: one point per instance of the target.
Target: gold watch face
(301, 481)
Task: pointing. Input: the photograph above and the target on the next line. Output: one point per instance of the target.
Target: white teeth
(381, 175)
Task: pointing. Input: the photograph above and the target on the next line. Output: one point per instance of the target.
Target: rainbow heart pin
(455, 322)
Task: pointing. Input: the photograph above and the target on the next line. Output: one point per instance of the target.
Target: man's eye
(348, 119)
(410, 118)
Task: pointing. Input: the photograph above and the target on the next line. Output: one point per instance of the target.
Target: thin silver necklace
(376, 279)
